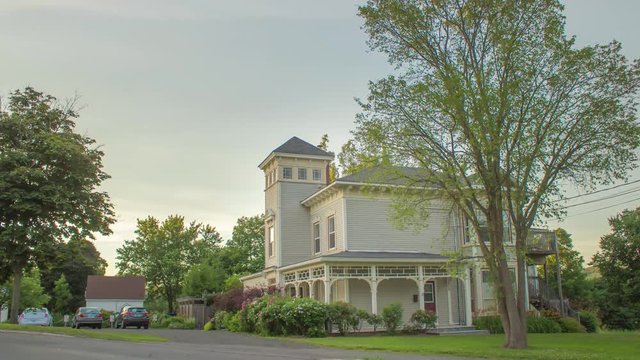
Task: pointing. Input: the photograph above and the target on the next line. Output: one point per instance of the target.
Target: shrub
(391, 317)
(570, 325)
(424, 320)
(218, 319)
(374, 320)
(542, 325)
(362, 316)
(491, 323)
(344, 316)
(208, 326)
(589, 320)
(232, 322)
(178, 322)
(304, 316)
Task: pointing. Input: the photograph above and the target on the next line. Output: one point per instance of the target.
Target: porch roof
(385, 255)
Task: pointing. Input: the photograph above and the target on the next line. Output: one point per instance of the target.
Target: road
(184, 344)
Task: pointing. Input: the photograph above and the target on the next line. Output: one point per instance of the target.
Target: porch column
(312, 289)
(467, 297)
(327, 292)
(374, 297)
(297, 288)
(420, 288)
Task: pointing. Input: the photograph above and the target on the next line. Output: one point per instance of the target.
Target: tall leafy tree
(207, 277)
(163, 252)
(76, 260)
(497, 108)
(62, 296)
(32, 294)
(49, 180)
(244, 253)
(619, 264)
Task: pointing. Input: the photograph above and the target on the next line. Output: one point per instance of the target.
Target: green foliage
(76, 260)
(232, 322)
(344, 316)
(244, 253)
(575, 285)
(207, 277)
(491, 323)
(424, 320)
(570, 325)
(178, 322)
(62, 296)
(589, 320)
(374, 320)
(218, 319)
(163, 253)
(488, 101)
(272, 315)
(392, 317)
(208, 326)
(542, 325)
(535, 324)
(32, 294)
(618, 262)
(233, 282)
(49, 182)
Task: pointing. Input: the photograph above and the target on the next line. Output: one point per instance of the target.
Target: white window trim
(316, 239)
(329, 232)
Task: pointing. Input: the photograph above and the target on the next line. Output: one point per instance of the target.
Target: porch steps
(458, 330)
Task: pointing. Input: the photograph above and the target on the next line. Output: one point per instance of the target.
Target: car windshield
(137, 310)
(32, 312)
(89, 310)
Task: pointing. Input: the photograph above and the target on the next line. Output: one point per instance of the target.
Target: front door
(430, 296)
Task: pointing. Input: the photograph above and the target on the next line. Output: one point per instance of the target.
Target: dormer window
(302, 174)
(287, 173)
(317, 175)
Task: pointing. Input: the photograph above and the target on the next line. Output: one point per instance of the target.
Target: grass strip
(95, 334)
(609, 345)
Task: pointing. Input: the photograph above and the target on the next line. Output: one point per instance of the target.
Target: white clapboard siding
(369, 228)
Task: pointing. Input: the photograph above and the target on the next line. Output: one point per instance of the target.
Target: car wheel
(99, 326)
(146, 327)
(138, 326)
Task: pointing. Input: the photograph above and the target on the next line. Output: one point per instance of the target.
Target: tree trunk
(15, 295)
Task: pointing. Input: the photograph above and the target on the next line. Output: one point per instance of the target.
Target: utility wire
(626, 192)
(598, 209)
(598, 191)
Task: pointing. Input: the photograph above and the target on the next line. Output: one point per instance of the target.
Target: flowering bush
(272, 315)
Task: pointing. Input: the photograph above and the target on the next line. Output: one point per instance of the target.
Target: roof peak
(297, 146)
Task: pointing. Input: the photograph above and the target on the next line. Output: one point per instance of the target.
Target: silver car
(87, 316)
(36, 316)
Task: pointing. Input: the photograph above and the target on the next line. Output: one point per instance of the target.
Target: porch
(371, 287)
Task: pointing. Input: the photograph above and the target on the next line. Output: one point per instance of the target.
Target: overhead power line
(602, 208)
(598, 191)
(622, 193)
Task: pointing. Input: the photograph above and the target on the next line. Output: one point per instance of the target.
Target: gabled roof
(299, 147)
(115, 287)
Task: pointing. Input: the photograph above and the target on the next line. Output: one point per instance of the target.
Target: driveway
(183, 344)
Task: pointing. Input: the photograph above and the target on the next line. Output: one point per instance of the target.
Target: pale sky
(187, 97)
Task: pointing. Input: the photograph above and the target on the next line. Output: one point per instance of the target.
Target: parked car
(132, 316)
(36, 316)
(87, 316)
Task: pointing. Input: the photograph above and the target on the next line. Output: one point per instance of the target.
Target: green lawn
(609, 345)
(96, 334)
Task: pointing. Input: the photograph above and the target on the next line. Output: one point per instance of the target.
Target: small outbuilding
(112, 293)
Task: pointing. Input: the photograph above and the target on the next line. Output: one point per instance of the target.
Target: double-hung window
(316, 237)
(317, 175)
(272, 240)
(302, 174)
(331, 227)
(287, 173)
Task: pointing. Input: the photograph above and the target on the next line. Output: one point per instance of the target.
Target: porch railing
(542, 296)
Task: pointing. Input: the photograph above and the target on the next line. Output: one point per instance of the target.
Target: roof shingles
(115, 287)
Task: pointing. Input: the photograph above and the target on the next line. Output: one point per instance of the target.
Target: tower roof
(297, 146)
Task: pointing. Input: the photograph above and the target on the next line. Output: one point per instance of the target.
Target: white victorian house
(333, 241)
